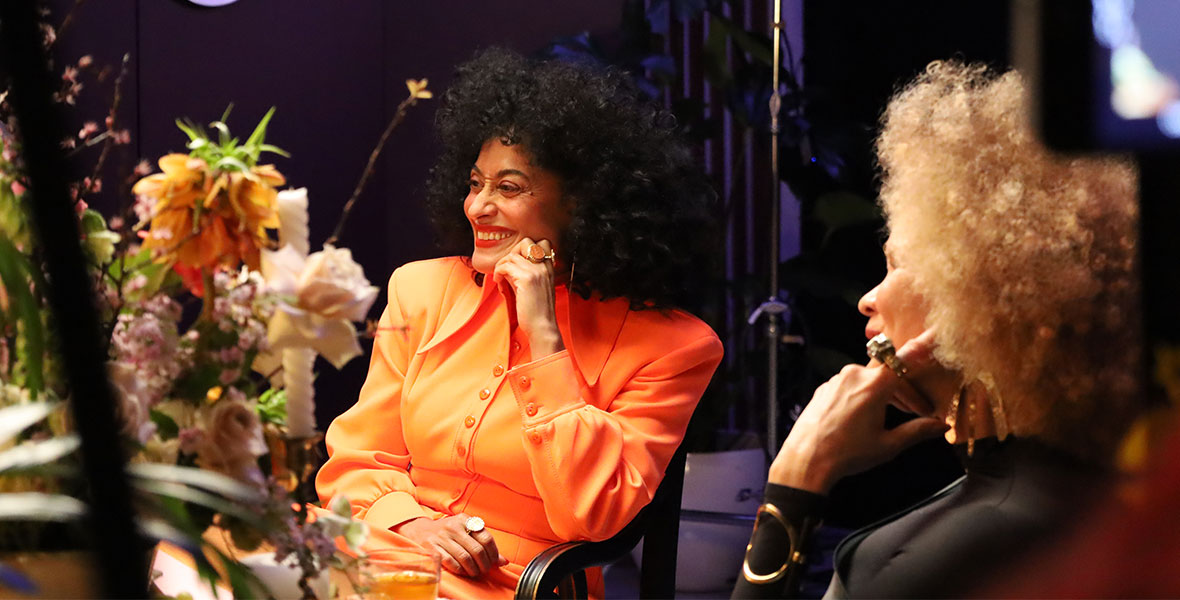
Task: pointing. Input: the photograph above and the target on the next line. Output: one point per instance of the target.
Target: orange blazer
(456, 416)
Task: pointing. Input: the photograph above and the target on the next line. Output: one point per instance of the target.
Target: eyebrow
(503, 172)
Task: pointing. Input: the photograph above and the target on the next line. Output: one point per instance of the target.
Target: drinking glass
(400, 574)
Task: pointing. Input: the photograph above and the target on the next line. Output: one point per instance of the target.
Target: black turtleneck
(1015, 495)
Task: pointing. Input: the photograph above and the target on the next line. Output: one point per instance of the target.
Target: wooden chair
(563, 567)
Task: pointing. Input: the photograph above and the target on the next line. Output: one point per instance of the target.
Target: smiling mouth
(491, 236)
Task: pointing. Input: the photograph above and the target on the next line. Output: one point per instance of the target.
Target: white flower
(135, 398)
(232, 442)
(320, 295)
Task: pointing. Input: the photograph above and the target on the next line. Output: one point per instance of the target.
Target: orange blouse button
(534, 437)
(530, 409)
(461, 451)
(516, 346)
(497, 370)
(484, 393)
(524, 382)
(469, 421)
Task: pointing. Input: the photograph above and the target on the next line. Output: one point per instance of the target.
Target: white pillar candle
(300, 385)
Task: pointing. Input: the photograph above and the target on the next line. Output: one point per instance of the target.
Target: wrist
(408, 525)
(802, 468)
(545, 341)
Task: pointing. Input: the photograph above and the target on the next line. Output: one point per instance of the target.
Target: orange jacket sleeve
(595, 468)
(368, 458)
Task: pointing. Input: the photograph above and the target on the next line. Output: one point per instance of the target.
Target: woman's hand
(463, 553)
(532, 285)
(842, 430)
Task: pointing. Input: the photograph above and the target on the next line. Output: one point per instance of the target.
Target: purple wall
(335, 71)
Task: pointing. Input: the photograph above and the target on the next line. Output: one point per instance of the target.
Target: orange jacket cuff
(393, 509)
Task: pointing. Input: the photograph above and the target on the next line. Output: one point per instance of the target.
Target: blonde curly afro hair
(1026, 258)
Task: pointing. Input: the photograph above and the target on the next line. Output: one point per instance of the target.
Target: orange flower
(204, 218)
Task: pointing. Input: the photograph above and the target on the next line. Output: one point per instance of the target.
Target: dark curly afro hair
(642, 211)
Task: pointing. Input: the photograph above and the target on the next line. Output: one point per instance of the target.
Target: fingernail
(503, 561)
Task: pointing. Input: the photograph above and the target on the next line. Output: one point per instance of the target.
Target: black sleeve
(771, 544)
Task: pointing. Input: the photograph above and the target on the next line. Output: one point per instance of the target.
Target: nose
(480, 204)
(868, 302)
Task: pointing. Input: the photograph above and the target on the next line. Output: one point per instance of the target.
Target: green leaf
(127, 263)
(165, 425)
(229, 161)
(15, 419)
(35, 506)
(92, 221)
(715, 59)
(24, 307)
(259, 132)
(272, 406)
(158, 528)
(198, 497)
(274, 150)
(190, 130)
(30, 455)
(758, 47)
(222, 132)
(191, 476)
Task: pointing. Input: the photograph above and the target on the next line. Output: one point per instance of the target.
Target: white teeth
(487, 235)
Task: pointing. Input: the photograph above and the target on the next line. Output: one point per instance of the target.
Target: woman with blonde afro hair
(1007, 322)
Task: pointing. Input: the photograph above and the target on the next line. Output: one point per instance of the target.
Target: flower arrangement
(196, 389)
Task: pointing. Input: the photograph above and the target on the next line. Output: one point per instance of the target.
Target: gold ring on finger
(536, 254)
(881, 349)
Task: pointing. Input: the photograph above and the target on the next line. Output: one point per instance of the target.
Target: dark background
(335, 71)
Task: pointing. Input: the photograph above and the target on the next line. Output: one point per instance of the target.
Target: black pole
(1159, 249)
(119, 552)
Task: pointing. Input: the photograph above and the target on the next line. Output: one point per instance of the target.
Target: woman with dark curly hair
(533, 389)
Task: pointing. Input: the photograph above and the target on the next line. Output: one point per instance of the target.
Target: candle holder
(295, 461)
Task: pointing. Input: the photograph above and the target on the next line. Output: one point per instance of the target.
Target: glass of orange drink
(400, 574)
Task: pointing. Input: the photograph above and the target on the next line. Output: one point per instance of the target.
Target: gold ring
(536, 254)
(473, 525)
(881, 349)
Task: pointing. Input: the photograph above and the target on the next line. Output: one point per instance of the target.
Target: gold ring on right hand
(536, 254)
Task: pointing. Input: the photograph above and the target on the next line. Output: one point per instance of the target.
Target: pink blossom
(228, 376)
(231, 355)
(85, 61)
(143, 168)
(122, 136)
(10, 154)
(233, 394)
(143, 207)
(68, 143)
(116, 222)
(89, 128)
(190, 439)
(17, 188)
(81, 206)
(136, 283)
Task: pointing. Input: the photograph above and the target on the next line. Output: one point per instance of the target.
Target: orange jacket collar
(589, 327)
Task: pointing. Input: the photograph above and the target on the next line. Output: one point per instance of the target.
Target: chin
(483, 263)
